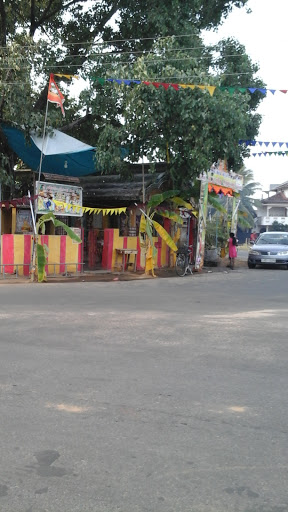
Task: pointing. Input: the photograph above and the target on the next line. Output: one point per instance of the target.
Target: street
(165, 395)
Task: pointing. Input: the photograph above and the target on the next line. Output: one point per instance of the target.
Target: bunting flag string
(220, 190)
(178, 86)
(67, 76)
(89, 209)
(25, 201)
(262, 143)
(270, 153)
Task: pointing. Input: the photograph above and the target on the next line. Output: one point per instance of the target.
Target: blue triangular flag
(272, 90)
(262, 90)
(252, 89)
(266, 144)
(280, 144)
(274, 144)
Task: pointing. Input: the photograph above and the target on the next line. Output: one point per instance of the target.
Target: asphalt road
(165, 395)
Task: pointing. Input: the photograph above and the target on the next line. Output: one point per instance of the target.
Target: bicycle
(184, 260)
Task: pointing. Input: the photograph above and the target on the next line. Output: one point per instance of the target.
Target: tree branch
(3, 23)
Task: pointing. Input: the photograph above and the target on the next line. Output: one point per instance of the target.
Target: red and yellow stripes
(113, 241)
(63, 254)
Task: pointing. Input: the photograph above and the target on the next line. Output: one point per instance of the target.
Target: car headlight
(254, 252)
(282, 253)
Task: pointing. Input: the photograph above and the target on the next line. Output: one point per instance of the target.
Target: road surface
(165, 395)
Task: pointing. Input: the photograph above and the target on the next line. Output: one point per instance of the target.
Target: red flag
(54, 94)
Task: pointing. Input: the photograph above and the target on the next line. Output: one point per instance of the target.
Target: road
(165, 395)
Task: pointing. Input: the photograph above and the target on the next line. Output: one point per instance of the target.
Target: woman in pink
(232, 244)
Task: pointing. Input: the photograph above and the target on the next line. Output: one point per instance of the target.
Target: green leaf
(213, 201)
(69, 231)
(180, 202)
(160, 198)
(165, 236)
(41, 262)
(171, 215)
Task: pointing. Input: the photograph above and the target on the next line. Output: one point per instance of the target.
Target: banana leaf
(142, 227)
(171, 215)
(68, 230)
(57, 223)
(213, 201)
(180, 202)
(41, 262)
(159, 198)
(165, 236)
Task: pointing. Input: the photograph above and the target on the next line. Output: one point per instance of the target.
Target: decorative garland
(88, 209)
(270, 153)
(261, 143)
(179, 86)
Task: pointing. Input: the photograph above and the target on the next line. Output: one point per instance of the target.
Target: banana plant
(147, 223)
(40, 251)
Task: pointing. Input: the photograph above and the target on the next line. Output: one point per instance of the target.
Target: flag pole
(43, 139)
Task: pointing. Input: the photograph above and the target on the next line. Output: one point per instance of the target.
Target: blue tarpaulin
(62, 154)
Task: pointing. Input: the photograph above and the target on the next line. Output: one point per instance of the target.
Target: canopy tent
(62, 154)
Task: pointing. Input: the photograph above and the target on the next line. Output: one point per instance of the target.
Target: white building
(273, 208)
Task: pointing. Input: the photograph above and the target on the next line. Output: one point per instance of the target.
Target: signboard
(222, 178)
(24, 223)
(71, 195)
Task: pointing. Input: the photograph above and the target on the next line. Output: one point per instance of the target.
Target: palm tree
(248, 202)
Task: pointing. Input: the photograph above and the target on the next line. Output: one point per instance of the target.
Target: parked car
(270, 248)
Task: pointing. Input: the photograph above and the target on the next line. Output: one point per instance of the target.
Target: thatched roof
(112, 189)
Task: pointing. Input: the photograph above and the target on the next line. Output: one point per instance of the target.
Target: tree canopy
(126, 39)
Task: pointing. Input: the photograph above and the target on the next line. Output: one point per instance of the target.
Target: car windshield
(273, 239)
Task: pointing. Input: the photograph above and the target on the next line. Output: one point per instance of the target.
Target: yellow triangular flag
(67, 76)
(211, 89)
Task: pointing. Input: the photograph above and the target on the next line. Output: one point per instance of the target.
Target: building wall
(64, 255)
(113, 261)
(277, 211)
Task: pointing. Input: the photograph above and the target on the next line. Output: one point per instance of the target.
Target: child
(232, 244)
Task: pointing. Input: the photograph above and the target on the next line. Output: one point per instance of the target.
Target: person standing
(232, 246)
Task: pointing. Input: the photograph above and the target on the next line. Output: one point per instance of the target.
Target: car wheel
(251, 265)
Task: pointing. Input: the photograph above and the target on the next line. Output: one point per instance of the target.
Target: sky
(264, 33)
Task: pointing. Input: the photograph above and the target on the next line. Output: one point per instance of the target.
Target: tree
(277, 226)
(248, 202)
(97, 37)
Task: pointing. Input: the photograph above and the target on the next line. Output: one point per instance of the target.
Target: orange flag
(55, 95)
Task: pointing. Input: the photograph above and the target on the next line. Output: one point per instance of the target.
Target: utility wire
(111, 42)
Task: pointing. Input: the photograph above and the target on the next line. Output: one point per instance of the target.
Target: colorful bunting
(260, 142)
(67, 76)
(210, 88)
(220, 190)
(89, 209)
(269, 153)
